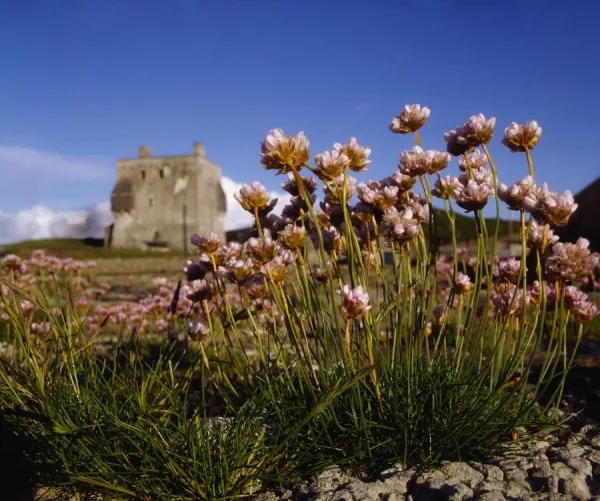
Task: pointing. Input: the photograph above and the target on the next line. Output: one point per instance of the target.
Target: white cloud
(41, 222)
(28, 161)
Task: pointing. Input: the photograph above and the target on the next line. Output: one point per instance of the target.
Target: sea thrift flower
(195, 270)
(417, 162)
(197, 331)
(540, 237)
(402, 181)
(520, 137)
(445, 187)
(293, 237)
(317, 273)
(357, 155)
(377, 194)
(574, 295)
(310, 184)
(208, 244)
(262, 249)
(479, 129)
(284, 153)
(585, 311)
(412, 118)
(514, 195)
(12, 262)
(201, 290)
(240, 271)
(456, 141)
(332, 240)
(256, 287)
(439, 313)
(502, 297)
(570, 261)
(276, 269)
(508, 269)
(399, 227)
(334, 189)
(549, 207)
(255, 197)
(355, 302)
(463, 284)
(331, 165)
(271, 322)
(474, 160)
(535, 293)
(473, 196)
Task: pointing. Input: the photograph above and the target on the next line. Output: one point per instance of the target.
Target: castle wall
(162, 201)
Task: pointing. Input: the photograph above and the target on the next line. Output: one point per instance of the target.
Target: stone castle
(159, 202)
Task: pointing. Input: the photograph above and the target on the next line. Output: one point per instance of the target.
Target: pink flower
(514, 195)
(549, 207)
(357, 155)
(284, 153)
(540, 237)
(411, 119)
(520, 137)
(255, 197)
(331, 165)
(355, 302)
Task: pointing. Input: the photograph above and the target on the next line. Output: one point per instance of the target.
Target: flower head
(310, 183)
(402, 181)
(473, 196)
(514, 195)
(357, 155)
(262, 249)
(508, 269)
(209, 244)
(284, 153)
(549, 207)
(463, 284)
(508, 299)
(401, 226)
(585, 311)
(293, 237)
(521, 137)
(197, 331)
(540, 237)
(331, 165)
(479, 129)
(377, 194)
(334, 189)
(417, 162)
(474, 160)
(201, 290)
(255, 197)
(411, 119)
(445, 187)
(355, 302)
(570, 261)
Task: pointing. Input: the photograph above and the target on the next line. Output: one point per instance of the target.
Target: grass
(81, 249)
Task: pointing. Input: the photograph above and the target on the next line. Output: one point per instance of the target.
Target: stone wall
(162, 201)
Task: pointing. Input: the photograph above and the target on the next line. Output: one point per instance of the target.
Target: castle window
(143, 174)
(162, 173)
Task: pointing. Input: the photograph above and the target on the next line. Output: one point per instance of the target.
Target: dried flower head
(355, 302)
(411, 119)
(331, 165)
(550, 207)
(357, 155)
(521, 137)
(255, 197)
(284, 153)
(440, 314)
(239, 271)
(514, 195)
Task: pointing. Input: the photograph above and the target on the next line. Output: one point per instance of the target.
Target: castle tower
(159, 202)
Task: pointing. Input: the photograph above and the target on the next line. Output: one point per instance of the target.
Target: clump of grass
(358, 365)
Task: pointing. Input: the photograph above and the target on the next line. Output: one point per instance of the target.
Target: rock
(580, 466)
(463, 473)
(492, 496)
(542, 479)
(576, 486)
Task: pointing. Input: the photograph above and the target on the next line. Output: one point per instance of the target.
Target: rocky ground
(563, 466)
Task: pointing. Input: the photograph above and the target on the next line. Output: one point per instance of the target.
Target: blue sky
(85, 82)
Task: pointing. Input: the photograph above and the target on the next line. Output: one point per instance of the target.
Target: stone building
(159, 202)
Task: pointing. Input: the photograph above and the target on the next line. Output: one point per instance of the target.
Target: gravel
(562, 466)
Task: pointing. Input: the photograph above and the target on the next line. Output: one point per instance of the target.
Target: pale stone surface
(164, 200)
